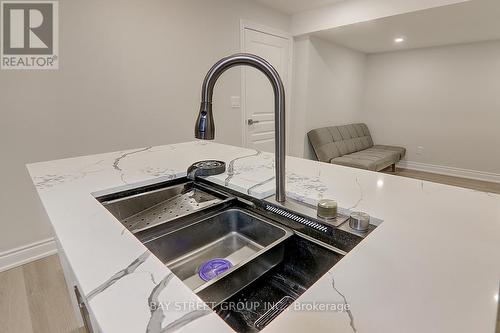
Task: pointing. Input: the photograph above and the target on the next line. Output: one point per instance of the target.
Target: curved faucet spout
(205, 125)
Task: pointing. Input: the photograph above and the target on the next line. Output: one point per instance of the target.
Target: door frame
(245, 24)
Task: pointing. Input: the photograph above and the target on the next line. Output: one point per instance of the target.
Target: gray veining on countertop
(360, 196)
(346, 304)
(186, 319)
(51, 179)
(157, 314)
(119, 275)
(230, 169)
(160, 172)
(117, 161)
(252, 188)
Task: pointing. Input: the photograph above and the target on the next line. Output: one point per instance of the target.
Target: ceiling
(472, 21)
(296, 6)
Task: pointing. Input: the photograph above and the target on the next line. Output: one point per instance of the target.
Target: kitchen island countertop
(433, 265)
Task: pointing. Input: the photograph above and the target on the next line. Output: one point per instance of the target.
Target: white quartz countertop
(433, 265)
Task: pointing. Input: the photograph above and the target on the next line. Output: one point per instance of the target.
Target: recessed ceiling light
(399, 40)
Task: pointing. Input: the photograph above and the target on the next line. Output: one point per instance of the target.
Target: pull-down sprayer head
(205, 126)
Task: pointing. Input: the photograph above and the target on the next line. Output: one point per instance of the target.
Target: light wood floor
(34, 299)
(448, 180)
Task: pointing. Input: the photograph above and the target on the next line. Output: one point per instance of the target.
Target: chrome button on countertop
(359, 221)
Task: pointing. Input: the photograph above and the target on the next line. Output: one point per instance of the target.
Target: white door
(258, 96)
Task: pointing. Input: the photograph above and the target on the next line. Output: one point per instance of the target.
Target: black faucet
(205, 125)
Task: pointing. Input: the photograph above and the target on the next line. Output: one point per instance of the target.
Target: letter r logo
(28, 28)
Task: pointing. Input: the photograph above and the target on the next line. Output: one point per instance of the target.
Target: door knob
(251, 121)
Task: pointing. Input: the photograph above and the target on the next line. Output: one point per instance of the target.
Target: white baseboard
(450, 171)
(25, 254)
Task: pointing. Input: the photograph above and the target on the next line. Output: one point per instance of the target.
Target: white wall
(355, 11)
(445, 99)
(328, 89)
(130, 76)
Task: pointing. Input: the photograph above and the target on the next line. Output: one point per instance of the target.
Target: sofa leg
(393, 167)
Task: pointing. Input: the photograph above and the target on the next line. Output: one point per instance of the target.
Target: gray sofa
(352, 146)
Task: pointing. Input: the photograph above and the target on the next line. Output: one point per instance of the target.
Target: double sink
(188, 224)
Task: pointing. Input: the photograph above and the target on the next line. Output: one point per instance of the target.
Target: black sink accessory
(206, 168)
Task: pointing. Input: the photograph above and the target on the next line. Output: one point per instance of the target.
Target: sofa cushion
(400, 150)
(374, 159)
(336, 141)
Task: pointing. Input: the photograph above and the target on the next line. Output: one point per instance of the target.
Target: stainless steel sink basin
(186, 223)
(249, 242)
(146, 209)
